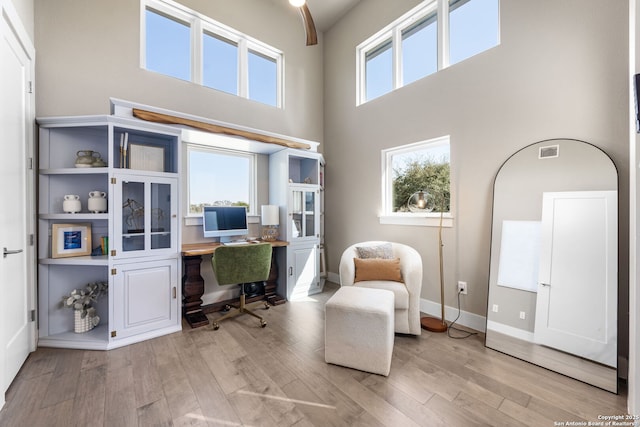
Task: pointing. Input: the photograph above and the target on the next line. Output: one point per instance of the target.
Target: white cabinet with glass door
(294, 185)
(118, 159)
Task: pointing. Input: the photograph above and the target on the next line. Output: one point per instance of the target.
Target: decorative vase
(84, 325)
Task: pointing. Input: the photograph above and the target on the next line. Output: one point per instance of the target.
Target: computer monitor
(225, 222)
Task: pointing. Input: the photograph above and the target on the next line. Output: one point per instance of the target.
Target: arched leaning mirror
(554, 261)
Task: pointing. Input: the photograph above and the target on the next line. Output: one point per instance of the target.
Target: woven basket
(84, 325)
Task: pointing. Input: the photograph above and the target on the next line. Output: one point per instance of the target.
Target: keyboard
(244, 242)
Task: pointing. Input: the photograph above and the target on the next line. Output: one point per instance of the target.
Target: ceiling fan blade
(309, 26)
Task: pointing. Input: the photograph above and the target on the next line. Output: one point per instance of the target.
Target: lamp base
(269, 233)
(433, 324)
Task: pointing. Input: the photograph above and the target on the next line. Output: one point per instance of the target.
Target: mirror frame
(523, 348)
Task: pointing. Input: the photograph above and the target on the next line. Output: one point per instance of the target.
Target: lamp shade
(297, 3)
(270, 215)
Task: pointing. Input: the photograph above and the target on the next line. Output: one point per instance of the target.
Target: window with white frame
(428, 38)
(182, 43)
(218, 177)
(416, 181)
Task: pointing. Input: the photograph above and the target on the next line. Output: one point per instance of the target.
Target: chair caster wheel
(216, 326)
(266, 306)
(227, 307)
(263, 323)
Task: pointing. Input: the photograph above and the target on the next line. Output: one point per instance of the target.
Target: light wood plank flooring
(245, 375)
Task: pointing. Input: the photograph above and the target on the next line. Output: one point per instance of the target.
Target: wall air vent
(549, 152)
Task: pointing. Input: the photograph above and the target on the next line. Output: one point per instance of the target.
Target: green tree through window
(422, 173)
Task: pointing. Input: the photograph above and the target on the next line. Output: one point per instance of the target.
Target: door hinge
(113, 334)
(30, 87)
(175, 292)
(114, 272)
(113, 180)
(31, 239)
(30, 165)
(33, 315)
(113, 252)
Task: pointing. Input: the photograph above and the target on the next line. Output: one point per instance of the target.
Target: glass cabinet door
(303, 214)
(132, 229)
(148, 219)
(161, 231)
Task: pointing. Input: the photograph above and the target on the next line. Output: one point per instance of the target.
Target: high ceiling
(326, 12)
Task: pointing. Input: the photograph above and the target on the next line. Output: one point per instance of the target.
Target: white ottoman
(359, 329)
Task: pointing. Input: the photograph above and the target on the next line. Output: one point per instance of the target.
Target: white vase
(84, 325)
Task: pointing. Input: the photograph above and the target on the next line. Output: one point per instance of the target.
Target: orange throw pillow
(377, 269)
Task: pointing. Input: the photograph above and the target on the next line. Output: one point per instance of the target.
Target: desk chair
(238, 265)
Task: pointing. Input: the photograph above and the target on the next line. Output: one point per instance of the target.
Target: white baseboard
(511, 331)
(470, 320)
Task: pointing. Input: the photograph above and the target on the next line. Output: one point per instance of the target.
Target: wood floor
(245, 375)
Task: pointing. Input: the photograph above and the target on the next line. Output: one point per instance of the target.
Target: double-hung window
(428, 38)
(416, 183)
(182, 43)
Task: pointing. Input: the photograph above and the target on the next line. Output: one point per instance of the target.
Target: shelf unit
(295, 186)
(144, 293)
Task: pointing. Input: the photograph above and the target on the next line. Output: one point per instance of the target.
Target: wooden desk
(193, 283)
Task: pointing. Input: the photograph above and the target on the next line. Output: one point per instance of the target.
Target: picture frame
(146, 157)
(69, 240)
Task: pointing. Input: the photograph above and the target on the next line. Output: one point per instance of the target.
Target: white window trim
(196, 219)
(199, 23)
(387, 217)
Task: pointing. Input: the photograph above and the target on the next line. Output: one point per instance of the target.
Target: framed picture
(69, 240)
(146, 157)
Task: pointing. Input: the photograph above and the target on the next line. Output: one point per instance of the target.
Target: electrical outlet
(523, 315)
(462, 288)
(495, 308)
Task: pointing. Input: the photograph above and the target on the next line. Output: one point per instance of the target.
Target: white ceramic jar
(71, 203)
(97, 201)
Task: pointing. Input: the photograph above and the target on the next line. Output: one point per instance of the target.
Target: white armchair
(407, 294)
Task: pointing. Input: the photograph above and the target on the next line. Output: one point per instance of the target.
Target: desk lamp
(270, 219)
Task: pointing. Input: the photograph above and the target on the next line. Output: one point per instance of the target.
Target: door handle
(6, 252)
(546, 284)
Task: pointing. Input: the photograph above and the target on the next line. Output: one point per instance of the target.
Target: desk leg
(272, 284)
(192, 291)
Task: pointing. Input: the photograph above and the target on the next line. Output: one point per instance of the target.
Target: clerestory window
(184, 44)
(429, 38)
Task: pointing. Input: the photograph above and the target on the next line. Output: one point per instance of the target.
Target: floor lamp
(417, 202)
(431, 323)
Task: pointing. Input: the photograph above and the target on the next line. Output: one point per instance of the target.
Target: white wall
(88, 51)
(560, 72)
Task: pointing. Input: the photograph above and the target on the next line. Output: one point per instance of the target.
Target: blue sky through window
(215, 177)
(263, 77)
(220, 64)
(420, 51)
(167, 46)
(473, 28)
(379, 71)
